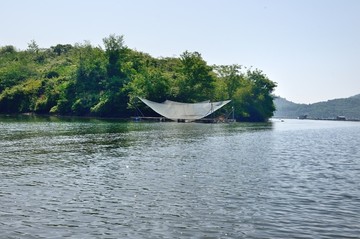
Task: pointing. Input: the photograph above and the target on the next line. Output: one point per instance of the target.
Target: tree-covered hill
(88, 80)
(348, 107)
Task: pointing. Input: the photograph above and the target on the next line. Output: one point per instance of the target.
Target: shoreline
(324, 119)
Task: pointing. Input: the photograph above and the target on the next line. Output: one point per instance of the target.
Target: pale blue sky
(311, 48)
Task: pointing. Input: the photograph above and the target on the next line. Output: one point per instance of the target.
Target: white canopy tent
(184, 111)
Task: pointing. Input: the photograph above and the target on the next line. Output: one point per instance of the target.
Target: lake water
(87, 178)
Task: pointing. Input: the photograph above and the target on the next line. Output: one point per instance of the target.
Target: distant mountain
(356, 96)
(348, 107)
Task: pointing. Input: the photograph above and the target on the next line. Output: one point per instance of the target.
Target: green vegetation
(85, 80)
(331, 109)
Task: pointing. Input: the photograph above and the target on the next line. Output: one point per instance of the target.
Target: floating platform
(204, 120)
(154, 119)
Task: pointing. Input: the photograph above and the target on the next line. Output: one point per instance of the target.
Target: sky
(310, 48)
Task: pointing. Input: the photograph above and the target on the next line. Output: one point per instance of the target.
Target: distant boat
(340, 117)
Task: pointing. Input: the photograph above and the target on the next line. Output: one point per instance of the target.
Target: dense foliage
(82, 79)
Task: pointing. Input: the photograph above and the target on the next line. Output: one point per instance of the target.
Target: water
(109, 179)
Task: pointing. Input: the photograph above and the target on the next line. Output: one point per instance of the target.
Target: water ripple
(108, 179)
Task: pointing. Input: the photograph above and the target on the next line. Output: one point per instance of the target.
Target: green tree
(20, 98)
(90, 75)
(196, 82)
(114, 46)
(61, 49)
(228, 81)
(253, 100)
(14, 69)
(151, 84)
(33, 47)
(113, 99)
(9, 49)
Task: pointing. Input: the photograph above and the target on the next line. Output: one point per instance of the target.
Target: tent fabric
(184, 111)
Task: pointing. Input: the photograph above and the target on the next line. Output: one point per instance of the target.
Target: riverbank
(326, 119)
(134, 118)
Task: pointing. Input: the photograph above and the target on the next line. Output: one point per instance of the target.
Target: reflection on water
(86, 178)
